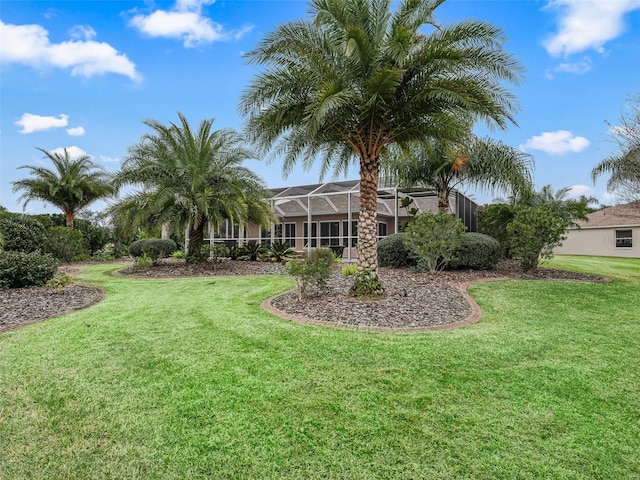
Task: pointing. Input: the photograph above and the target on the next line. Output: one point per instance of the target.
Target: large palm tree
(193, 178)
(356, 78)
(72, 185)
(444, 165)
(624, 166)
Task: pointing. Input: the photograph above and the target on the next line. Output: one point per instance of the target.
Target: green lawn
(188, 378)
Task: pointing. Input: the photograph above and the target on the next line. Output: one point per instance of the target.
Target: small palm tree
(72, 185)
(444, 165)
(193, 178)
(356, 78)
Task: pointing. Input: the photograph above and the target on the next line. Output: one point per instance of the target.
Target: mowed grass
(188, 378)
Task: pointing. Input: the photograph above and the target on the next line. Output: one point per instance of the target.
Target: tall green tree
(73, 183)
(474, 162)
(191, 177)
(356, 77)
(624, 165)
(496, 218)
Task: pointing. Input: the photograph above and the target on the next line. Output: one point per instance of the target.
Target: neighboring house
(610, 232)
(332, 211)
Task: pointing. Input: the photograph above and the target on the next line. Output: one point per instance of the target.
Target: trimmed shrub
(434, 237)
(535, 232)
(314, 271)
(66, 244)
(19, 269)
(393, 252)
(477, 252)
(154, 248)
(22, 234)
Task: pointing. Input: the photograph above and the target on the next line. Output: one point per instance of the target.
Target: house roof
(337, 197)
(620, 215)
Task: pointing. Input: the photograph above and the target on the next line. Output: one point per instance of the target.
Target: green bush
(349, 270)
(365, 286)
(280, 252)
(22, 234)
(477, 252)
(393, 252)
(66, 244)
(434, 237)
(535, 231)
(154, 248)
(59, 281)
(313, 271)
(19, 269)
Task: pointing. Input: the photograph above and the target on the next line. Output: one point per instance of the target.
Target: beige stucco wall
(599, 241)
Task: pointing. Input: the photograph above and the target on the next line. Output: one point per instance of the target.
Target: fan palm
(356, 78)
(193, 178)
(444, 165)
(72, 185)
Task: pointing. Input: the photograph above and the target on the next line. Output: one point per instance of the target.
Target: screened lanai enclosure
(326, 215)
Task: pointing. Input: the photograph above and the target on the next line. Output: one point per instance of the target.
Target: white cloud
(576, 191)
(36, 123)
(587, 24)
(74, 152)
(186, 22)
(75, 131)
(105, 159)
(82, 32)
(556, 143)
(30, 45)
(577, 68)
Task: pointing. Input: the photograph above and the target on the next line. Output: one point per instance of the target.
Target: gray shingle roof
(620, 215)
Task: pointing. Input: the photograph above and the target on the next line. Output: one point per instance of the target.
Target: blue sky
(83, 75)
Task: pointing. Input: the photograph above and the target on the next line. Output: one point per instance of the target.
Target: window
(265, 236)
(382, 229)
(624, 238)
(290, 234)
(354, 232)
(329, 234)
(314, 234)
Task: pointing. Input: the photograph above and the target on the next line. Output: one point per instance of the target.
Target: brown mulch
(23, 306)
(410, 300)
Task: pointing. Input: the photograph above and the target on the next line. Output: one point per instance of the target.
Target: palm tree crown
(356, 78)
(445, 165)
(72, 185)
(192, 178)
(624, 166)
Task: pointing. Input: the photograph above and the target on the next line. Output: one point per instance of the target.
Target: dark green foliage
(19, 269)
(477, 252)
(365, 286)
(22, 234)
(253, 251)
(434, 237)
(236, 252)
(313, 271)
(66, 244)
(280, 252)
(493, 221)
(393, 252)
(535, 232)
(153, 247)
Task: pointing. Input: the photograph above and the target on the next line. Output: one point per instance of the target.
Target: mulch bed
(411, 300)
(23, 306)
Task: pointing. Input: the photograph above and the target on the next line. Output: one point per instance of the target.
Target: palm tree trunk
(196, 235)
(367, 224)
(443, 200)
(69, 216)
